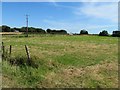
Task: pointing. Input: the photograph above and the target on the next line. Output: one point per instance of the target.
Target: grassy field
(63, 61)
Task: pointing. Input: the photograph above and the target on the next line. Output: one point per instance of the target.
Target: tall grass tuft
(19, 60)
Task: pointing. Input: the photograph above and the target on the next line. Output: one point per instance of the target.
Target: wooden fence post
(28, 54)
(10, 50)
(3, 49)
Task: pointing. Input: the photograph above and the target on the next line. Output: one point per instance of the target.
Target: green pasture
(81, 61)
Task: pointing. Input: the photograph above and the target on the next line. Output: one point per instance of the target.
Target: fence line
(10, 51)
(28, 54)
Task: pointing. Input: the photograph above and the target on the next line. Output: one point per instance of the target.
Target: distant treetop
(83, 32)
(103, 33)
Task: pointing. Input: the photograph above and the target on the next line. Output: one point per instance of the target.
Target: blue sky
(71, 16)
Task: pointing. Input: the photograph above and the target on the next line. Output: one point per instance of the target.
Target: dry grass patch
(79, 77)
(8, 82)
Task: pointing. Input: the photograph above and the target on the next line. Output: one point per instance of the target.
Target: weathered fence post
(28, 54)
(10, 50)
(3, 49)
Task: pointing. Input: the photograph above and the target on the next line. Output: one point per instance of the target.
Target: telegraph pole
(26, 25)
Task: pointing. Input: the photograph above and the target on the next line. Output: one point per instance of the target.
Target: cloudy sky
(72, 16)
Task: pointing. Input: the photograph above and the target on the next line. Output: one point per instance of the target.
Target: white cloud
(57, 4)
(93, 10)
(108, 11)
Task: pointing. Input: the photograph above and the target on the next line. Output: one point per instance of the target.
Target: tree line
(103, 33)
(32, 30)
(6, 28)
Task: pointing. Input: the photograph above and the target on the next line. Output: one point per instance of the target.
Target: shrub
(103, 33)
(48, 30)
(5, 28)
(40, 30)
(56, 31)
(116, 34)
(12, 30)
(83, 32)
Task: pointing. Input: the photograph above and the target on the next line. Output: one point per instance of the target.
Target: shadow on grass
(21, 61)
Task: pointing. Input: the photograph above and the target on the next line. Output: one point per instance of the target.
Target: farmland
(80, 61)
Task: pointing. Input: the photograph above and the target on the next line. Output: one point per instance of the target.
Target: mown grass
(63, 61)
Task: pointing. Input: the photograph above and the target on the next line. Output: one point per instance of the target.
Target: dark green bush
(5, 28)
(56, 31)
(103, 33)
(83, 32)
(116, 34)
